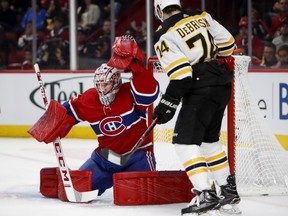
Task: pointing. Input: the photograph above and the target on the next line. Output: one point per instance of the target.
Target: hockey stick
(122, 159)
(72, 194)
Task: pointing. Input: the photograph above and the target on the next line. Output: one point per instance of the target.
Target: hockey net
(256, 157)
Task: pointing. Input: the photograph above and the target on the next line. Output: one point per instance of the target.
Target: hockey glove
(125, 50)
(166, 109)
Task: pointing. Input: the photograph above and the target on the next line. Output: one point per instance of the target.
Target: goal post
(256, 157)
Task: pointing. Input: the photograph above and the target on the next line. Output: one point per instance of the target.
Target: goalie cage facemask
(107, 75)
(159, 6)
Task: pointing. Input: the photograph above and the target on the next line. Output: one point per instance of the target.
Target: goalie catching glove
(55, 122)
(166, 109)
(125, 51)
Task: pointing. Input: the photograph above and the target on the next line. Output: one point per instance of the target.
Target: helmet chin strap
(159, 13)
(104, 109)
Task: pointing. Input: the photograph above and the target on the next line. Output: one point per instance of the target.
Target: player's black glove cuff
(166, 109)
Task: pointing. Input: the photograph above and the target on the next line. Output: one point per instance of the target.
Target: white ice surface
(22, 159)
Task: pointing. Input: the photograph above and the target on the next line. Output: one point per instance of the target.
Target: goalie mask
(159, 6)
(107, 81)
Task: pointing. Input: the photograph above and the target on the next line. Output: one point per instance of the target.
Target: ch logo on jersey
(112, 126)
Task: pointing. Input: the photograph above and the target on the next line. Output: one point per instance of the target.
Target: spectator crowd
(269, 33)
(269, 37)
(52, 24)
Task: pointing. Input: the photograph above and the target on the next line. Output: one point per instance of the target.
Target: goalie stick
(122, 159)
(72, 194)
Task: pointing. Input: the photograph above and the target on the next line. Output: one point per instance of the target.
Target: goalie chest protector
(151, 187)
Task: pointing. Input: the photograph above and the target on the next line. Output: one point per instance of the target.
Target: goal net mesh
(261, 163)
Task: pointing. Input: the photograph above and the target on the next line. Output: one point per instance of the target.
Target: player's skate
(229, 198)
(204, 203)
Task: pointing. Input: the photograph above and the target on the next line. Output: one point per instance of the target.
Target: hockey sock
(194, 164)
(217, 161)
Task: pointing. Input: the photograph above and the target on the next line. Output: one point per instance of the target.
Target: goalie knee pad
(151, 187)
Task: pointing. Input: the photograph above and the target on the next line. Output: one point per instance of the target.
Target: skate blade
(208, 213)
(230, 209)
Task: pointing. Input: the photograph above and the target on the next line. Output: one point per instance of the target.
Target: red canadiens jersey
(119, 126)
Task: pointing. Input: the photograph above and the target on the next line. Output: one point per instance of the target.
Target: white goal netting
(261, 163)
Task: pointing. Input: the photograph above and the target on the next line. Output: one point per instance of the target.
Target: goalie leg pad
(151, 187)
(49, 182)
(81, 179)
(53, 123)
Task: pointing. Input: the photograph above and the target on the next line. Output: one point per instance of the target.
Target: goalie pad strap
(151, 187)
(53, 123)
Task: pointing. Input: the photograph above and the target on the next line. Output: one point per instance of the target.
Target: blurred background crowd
(269, 30)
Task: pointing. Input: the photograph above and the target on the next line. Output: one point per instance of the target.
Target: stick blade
(82, 197)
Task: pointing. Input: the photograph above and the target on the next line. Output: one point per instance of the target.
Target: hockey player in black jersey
(189, 47)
